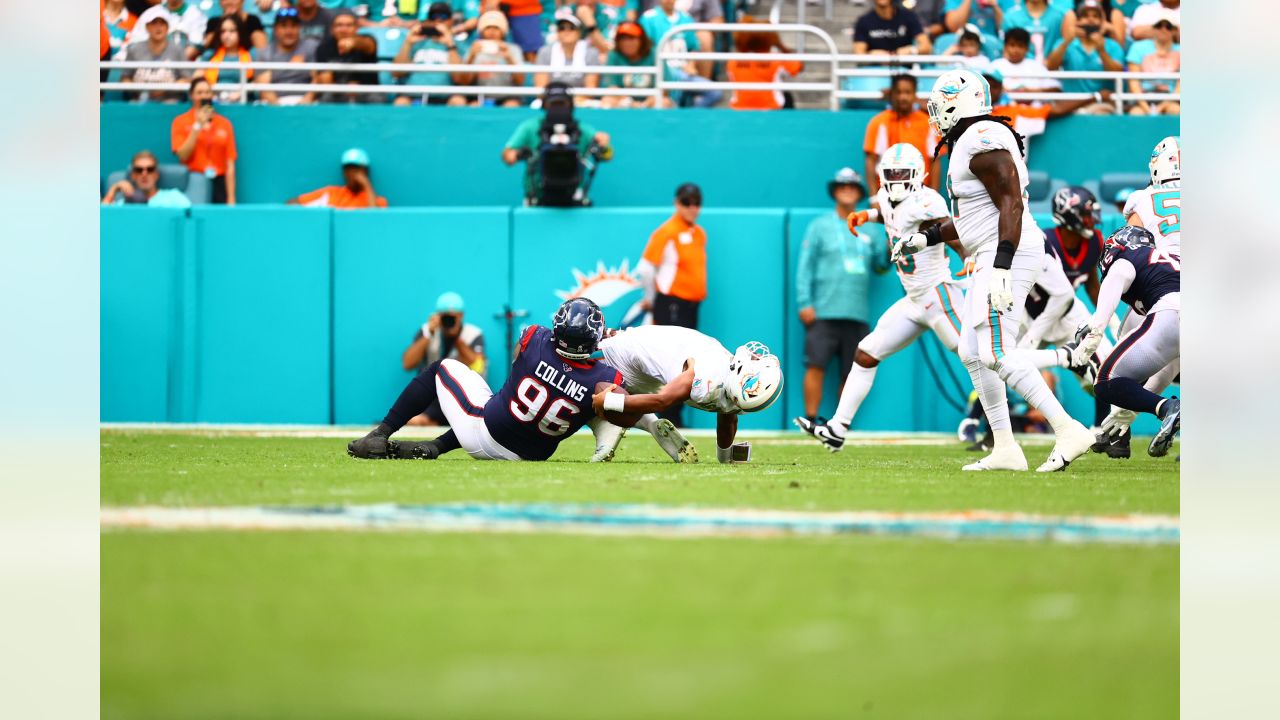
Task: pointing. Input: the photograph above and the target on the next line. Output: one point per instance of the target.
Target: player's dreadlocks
(958, 129)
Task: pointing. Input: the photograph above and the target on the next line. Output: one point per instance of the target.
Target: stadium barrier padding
(300, 315)
(441, 156)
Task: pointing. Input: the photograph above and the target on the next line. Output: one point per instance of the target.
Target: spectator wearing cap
(656, 21)
(252, 34)
(491, 48)
(632, 48)
(568, 54)
(445, 335)
(471, 12)
(1041, 20)
(526, 25)
(986, 15)
(355, 193)
(432, 43)
(142, 186)
(763, 70)
(901, 122)
(1114, 23)
(887, 29)
(524, 142)
(1021, 71)
(1145, 16)
(1163, 57)
(205, 142)
(968, 50)
(159, 46)
(673, 268)
(1090, 50)
(832, 282)
(345, 45)
(313, 19)
(288, 46)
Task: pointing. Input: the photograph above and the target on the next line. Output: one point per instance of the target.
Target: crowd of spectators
(1019, 39)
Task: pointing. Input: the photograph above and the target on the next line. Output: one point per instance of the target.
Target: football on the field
(623, 419)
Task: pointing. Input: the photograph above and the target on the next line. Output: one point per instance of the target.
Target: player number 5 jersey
(975, 215)
(922, 272)
(1160, 210)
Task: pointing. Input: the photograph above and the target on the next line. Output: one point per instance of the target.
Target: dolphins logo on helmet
(755, 377)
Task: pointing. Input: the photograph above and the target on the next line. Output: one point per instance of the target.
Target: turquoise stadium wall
(277, 314)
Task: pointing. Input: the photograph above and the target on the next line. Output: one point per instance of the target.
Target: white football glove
(1087, 347)
(1118, 421)
(909, 245)
(1000, 291)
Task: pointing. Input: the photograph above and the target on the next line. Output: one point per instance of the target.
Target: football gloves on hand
(909, 245)
(1000, 291)
(1088, 338)
(855, 219)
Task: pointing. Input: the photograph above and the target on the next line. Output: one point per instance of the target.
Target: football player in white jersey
(1157, 208)
(987, 182)
(663, 365)
(934, 299)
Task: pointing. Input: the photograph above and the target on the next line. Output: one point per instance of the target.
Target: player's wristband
(873, 215)
(724, 455)
(933, 234)
(614, 402)
(1005, 250)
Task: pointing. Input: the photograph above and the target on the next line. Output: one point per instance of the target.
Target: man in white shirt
(1020, 71)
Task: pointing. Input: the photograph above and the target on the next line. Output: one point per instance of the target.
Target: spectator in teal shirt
(1089, 50)
(1042, 20)
(832, 278)
(656, 21)
(432, 43)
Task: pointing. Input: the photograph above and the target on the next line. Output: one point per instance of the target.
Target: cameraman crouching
(561, 153)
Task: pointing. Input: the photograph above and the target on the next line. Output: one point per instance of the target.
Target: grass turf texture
(406, 625)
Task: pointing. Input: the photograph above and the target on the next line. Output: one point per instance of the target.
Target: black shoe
(1170, 422)
(372, 447)
(426, 450)
(986, 444)
(822, 433)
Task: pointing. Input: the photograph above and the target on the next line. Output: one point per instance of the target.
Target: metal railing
(841, 67)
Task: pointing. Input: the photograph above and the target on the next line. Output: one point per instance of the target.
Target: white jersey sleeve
(708, 391)
(922, 272)
(976, 216)
(1159, 209)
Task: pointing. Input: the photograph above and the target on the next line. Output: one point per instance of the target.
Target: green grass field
(410, 625)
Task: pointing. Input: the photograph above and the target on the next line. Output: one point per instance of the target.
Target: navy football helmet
(1076, 209)
(578, 328)
(1128, 237)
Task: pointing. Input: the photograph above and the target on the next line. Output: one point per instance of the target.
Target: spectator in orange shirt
(902, 122)
(759, 71)
(673, 269)
(205, 142)
(356, 193)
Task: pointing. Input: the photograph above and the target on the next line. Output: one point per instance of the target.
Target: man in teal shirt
(831, 287)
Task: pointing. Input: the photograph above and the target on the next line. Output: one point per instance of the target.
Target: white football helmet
(755, 377)
(901, 171)
(958, 94)
(1166, 161)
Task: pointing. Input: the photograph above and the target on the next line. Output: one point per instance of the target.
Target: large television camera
(559, 173)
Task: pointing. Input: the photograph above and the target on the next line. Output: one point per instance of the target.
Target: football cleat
(372, 447)
(985, 444)
(1170, 422)
(674, 443)
(1070, 445)
(1007, 458)
(425, 450)
(822, 432)
(1115, 447)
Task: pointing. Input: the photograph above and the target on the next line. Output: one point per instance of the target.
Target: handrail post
(1118, 101)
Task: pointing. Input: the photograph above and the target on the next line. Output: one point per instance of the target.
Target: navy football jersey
(546, 398)
(1159, 273)
(1080, 264)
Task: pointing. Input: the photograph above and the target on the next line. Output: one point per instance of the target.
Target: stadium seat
(194, 185)
(1040, 189)
(1112, 183)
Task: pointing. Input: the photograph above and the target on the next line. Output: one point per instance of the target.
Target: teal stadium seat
(1112, 183)
(176, 177)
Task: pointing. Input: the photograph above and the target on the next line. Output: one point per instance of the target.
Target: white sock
(991, 392)
(856, 387)
(607, 434)
(1021, 374)
(647, 422)
(1003, 438)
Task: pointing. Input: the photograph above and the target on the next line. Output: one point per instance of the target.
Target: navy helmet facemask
(578, 328)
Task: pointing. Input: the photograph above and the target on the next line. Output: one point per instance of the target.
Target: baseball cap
(629, 28)
(493, 18)
(449, 302)
(355, 156)
(440, 11)
(287, 14)
(689, 194)
(1083, 4)
(566, 15)
(156, 12)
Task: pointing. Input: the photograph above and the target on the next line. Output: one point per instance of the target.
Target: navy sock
(1127, 393)
(414, 400)
(1101, 409)
(447, 442)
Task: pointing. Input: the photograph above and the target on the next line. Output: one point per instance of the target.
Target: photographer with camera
(562, 154)
(431, 43)
(444, 335)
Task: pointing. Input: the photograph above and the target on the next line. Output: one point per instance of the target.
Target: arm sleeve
(804, 267)
(1118, 280)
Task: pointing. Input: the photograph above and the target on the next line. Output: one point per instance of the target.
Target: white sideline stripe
(652, 520)
(351, 432)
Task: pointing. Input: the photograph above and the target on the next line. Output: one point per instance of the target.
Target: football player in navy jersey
(1148, 278)
(546, 398)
